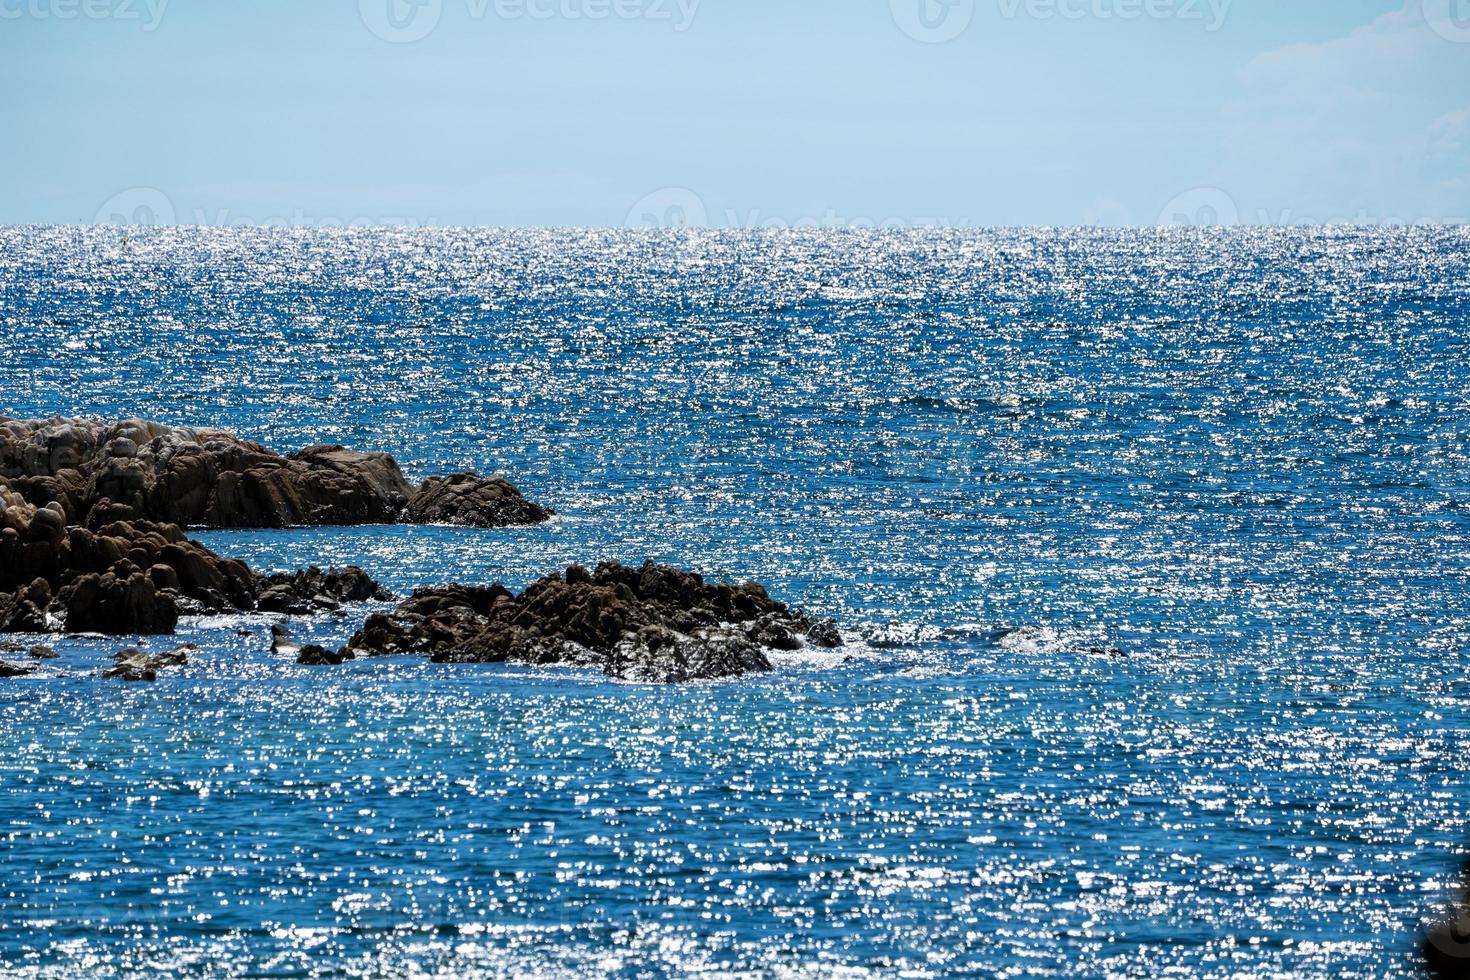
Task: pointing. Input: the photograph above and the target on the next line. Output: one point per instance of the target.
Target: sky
(734, 113)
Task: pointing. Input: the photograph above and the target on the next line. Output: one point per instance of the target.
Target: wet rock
(319, 656)
(41, 653)
(467, 500)
(314, 590)
(654, 623)
(134, 665)
(281, 644)
(656, 655)
(100, 473)
(15, 670)
(824, 633)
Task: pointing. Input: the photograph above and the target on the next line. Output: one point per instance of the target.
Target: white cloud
(1369, 126)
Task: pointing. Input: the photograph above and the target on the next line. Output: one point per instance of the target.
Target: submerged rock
(469, 501)
(134, 665)
(653, 623)
(98, 473)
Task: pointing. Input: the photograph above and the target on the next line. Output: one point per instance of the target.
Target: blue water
(1240, 456)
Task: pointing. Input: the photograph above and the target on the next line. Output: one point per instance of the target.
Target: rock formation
(653, 624)
(137, 577)
(99, 474)
(469, 501)
(122, 578)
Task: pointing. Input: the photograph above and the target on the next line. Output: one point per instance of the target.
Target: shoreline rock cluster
(100, 473)
(91, 541)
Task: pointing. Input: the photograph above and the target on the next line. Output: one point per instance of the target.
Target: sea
(1152, 549)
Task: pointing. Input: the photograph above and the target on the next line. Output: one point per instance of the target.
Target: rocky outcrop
(652, 624)
(134, 665)
(467, 500)
(315, 591)
(101, 473)
(123, 578)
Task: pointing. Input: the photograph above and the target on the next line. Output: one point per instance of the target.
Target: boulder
(15, 670)
(466, 500)
(653, 624)
(24, 610)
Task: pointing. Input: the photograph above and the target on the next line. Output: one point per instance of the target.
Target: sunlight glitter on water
(996, 457)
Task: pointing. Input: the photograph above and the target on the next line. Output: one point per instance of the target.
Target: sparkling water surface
(1239, 457)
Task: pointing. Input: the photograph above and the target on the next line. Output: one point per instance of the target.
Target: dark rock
(656, 655)
(41, 653)
(133, 664)
(653, 624)
(16, 670)
(24, 611)
(300, 593)
(118, 607)
(467, 500)
(319, 656)
(824, 633)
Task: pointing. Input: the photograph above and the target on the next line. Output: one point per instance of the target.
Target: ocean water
(1240, 457)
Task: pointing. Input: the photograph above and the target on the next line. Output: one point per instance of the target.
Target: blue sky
(735, 112)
